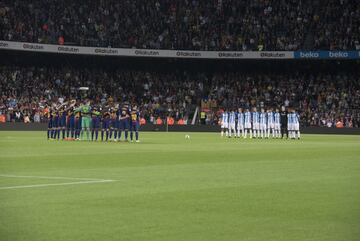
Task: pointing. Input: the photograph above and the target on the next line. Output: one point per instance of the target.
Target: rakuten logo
(32, 46)
(106, 51)
(230, 55)
(188, 54)
(272, 55)
(146, 52)
(68, 49)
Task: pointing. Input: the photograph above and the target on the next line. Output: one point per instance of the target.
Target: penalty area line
(56, 184)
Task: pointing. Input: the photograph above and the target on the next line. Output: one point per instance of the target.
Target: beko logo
(338, 55)
(309, 55)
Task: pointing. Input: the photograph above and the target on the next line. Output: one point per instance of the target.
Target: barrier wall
(161, 53)
(177, 128)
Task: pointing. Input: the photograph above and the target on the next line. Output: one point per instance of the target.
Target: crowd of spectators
(244, 25)
(27, 91)
(321, 99)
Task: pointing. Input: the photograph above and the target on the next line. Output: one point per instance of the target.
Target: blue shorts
(78, 123)
(114, 124)
(95, 123)
(135, 126)
(62, 121)
(55, 122)
(71, 122)
(124, 124)
(50, 124)
(106, 123)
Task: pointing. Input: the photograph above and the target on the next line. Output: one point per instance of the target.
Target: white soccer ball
(187, 136)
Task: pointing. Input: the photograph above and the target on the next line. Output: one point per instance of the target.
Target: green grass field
(167, 188)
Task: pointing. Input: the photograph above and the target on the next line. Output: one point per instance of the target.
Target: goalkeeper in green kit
(85, 111)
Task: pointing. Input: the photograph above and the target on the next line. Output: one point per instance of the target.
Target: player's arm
(122, 116)
(78, 109)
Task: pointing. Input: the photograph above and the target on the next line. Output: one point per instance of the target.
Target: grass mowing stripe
(55, 184)
(45, 177)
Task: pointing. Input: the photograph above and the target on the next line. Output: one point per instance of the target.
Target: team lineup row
(263, 124)
(73, 121)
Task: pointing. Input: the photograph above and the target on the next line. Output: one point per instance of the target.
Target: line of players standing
(73, 121)
(263, 124)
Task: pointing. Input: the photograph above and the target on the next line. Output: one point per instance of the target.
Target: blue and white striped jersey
(277, 118)
(296, 118)
(225, 118)
(289, 118)
(240, 118)
(255, 117)
(247, 117)
(232, 117)
(262, 118)
(270, 118)
(292, 118)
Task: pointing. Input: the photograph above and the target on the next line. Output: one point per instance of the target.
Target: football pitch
(168, 188)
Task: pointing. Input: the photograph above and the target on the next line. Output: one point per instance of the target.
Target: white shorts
(232, 126)
(296, 127)
(224, 125)
(291, 127)
(240, 126)
(256, 126)
(270, 126)
(277, 126)
(262, 126)
(247, 125)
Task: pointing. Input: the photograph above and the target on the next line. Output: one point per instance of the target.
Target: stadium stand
(321, 99)
(191, 25)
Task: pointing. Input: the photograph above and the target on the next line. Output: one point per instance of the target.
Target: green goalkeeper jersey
(85, 110)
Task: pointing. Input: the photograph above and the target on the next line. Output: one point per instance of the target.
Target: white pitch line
(45, 177)
(55, 184)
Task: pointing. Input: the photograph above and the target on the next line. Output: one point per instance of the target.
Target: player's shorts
(262, 126)
(62, 121)
(55, 122)
(256, 126)
(95, 123)
(135, 126)
(291, 127)
(270, 125)
(50, 124)
(247, 125)
(78, 123)
(124, 124)
(106, 123)
(232, 126)
(114, 124)
(71, 122)
(296, 127)
(225, 125)
(85, 122)
(277, 126)
(240, 126)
